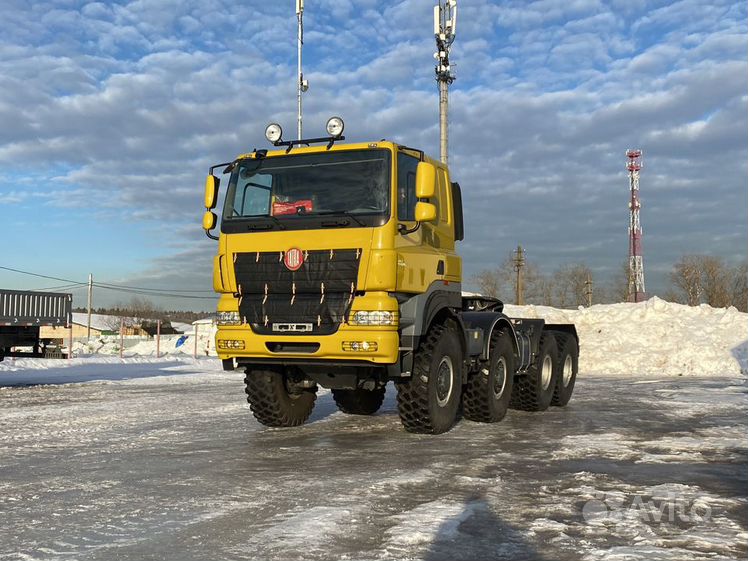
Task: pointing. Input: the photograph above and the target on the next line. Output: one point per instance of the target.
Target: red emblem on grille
(293, 259)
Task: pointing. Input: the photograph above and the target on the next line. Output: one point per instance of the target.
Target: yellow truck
(337, 267)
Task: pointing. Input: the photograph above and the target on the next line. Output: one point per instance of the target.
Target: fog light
(360, 346)
(231, 344)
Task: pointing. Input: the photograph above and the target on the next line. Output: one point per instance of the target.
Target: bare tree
(619, 286)
(498, 282)
(489, 282)
(136, 313)
(540, 287)
(570, 285)
(707, 279)
(716, 277)
(739, 287)
(142, 308)
(686, 280)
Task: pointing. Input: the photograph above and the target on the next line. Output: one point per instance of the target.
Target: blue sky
(112, 113)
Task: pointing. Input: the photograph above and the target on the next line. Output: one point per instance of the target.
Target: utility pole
(301, 84)
(90, 300)
(445, 25)
(588, 290)
(637, 292)
(519, 264)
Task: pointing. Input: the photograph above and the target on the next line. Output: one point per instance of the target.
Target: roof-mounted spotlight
(335, 127)
(273, 132)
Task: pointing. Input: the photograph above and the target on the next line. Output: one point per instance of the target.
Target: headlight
(228, 318)
(273, 132)
(375, 317)
(335, 127)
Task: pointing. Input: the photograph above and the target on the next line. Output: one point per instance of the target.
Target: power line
(71, 285)
(148, 293)
(110, 285)
(75, 286)
(40, 276)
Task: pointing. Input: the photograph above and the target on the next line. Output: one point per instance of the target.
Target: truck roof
(338, 146)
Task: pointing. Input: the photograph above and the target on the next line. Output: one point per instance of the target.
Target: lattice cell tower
(636, 290)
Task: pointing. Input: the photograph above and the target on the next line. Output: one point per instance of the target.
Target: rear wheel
(568, 365)
(275, 400)
(534, 391)
(359, 401)
(487, 393)
(428, 401)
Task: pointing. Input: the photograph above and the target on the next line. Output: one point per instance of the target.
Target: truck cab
(337, 267)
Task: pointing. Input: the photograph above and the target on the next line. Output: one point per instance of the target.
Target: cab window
(443, 198)
(406, 186)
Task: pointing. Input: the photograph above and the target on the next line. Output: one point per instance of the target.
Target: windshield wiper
(342, 212)
(261, 226)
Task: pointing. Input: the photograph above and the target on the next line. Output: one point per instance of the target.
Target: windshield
(351, 183)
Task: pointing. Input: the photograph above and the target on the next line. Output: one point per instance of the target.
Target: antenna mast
(445, 26)
(301, 84)
(636, 290)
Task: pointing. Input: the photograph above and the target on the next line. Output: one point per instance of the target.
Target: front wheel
(275, 400)
(428, 401)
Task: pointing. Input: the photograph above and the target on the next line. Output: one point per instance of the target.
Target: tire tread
(270, 402)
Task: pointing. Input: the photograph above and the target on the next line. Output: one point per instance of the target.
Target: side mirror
(209, 220)
(425, 180)
(425, 212)
(211, 191)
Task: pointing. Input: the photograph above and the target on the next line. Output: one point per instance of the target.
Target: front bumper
(331, 347)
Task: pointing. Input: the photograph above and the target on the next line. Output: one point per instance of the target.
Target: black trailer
(23, 313)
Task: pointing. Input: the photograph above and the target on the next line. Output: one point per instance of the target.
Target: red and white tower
(636, 261)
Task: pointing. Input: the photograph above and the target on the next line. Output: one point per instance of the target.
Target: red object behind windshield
(296, 207)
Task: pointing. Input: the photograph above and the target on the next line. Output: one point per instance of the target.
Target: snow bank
(654, 338)
(169, 346)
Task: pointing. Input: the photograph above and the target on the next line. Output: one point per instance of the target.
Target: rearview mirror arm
(404, 230)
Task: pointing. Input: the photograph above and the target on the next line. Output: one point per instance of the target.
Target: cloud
(122, 107)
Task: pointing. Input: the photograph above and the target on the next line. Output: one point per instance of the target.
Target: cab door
(427, 254)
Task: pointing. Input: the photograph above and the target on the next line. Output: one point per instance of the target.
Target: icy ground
(162, 460)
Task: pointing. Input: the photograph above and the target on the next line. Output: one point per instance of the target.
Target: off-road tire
(271, 402)
(529, 392)
(486, 395)
(359, 401)
(567, 349)
(425, 404)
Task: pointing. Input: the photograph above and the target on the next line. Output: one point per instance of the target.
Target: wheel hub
(568, 370)
(499, 378)
(546, 372)
(444, 381)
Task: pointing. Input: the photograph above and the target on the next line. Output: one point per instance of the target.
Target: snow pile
(654, 338)
(169, 346)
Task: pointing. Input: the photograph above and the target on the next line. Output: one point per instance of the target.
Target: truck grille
(318, 293)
